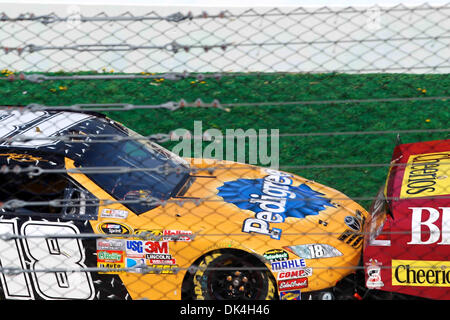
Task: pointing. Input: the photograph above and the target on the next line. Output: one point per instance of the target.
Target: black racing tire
(231, 275)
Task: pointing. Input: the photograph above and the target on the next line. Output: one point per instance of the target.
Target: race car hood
(270, 202)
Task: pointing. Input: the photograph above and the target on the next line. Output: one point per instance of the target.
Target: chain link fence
(225, 154)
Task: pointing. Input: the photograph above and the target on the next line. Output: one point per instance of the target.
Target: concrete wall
(388, 39)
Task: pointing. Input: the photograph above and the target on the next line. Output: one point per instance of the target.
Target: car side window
(46, 195)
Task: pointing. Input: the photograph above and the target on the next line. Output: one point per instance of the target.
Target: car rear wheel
(231, 275)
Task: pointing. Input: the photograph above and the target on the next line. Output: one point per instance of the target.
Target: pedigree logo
(421, 273)
(426, 175)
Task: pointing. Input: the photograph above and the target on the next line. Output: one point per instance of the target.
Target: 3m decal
(272, 199)
(421, 273)
(43, 253)
(426, 175)
(156, 247)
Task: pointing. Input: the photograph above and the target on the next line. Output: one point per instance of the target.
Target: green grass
(294, 151)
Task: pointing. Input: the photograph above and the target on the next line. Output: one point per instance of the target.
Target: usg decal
(273, 199)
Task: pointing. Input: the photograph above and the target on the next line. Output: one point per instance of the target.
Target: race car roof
(420, 170)
(31, 136)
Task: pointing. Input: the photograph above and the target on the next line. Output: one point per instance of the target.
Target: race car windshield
(145, 170)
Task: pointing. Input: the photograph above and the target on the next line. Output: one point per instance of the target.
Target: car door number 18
(55, 263)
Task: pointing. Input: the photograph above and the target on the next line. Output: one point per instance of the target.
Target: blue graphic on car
(273, 199)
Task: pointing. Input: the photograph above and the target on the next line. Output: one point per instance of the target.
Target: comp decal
(272, 199)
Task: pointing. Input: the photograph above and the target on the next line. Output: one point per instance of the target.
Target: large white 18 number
(45, 253)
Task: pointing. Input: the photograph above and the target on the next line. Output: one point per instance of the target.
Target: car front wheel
(231, 275)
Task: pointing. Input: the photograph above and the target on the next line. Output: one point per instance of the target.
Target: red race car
(407, 246)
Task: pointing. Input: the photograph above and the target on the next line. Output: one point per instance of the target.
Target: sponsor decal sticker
(110, 259)
(111, 244)
(373, 268)
(429, 225)
(163, 268)
(315, 251)
(156, 247)
(22, 157)
(273, 199)
(290, 295)
(158, 256)
(166, 235)
(288, 265)
(292, 284)
(135, 249)
(421, 273)
(161, 261)
(426, 175)
(295, 274)
(114, 228)
(353, 235)
(114, 213)
(110, 256)
(177, 235)
(276, 255)
(136, 265)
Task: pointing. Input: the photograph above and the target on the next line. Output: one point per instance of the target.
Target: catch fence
(305, 112)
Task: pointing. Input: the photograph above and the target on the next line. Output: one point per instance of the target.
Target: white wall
(390, 39)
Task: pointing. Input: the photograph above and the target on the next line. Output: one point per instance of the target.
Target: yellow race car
(107, 214)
